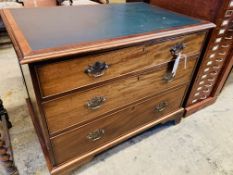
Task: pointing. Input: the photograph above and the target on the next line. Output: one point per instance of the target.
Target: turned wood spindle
(6, 154)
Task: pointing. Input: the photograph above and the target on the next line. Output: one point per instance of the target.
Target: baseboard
(189, 110)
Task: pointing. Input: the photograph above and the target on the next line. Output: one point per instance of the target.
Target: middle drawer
(81, 107)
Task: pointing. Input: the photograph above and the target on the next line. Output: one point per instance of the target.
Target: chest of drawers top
(48, 33)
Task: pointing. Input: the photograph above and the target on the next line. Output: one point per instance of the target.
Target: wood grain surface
(134, 40)
(63, 76)
(70, 110)
(72, 143)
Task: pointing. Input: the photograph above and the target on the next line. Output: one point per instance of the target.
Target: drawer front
(81, 107)
(59, 77)
(99, 132)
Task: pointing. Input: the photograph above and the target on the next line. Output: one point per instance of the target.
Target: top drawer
(59, 77)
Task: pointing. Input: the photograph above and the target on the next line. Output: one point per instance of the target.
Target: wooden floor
(201, 144)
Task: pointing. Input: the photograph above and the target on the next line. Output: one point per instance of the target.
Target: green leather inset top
(60, 26)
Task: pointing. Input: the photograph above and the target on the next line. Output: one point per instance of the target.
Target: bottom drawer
(101, 131)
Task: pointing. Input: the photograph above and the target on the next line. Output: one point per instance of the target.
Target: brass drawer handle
(177, 49)
(96, 135)
(161, 106)
(97, 69)
(176, 52)
(95, 102)
(168, 77)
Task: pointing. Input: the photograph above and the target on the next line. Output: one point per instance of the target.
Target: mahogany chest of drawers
(107, 74)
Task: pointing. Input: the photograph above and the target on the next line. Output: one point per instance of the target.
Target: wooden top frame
(27, 54)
